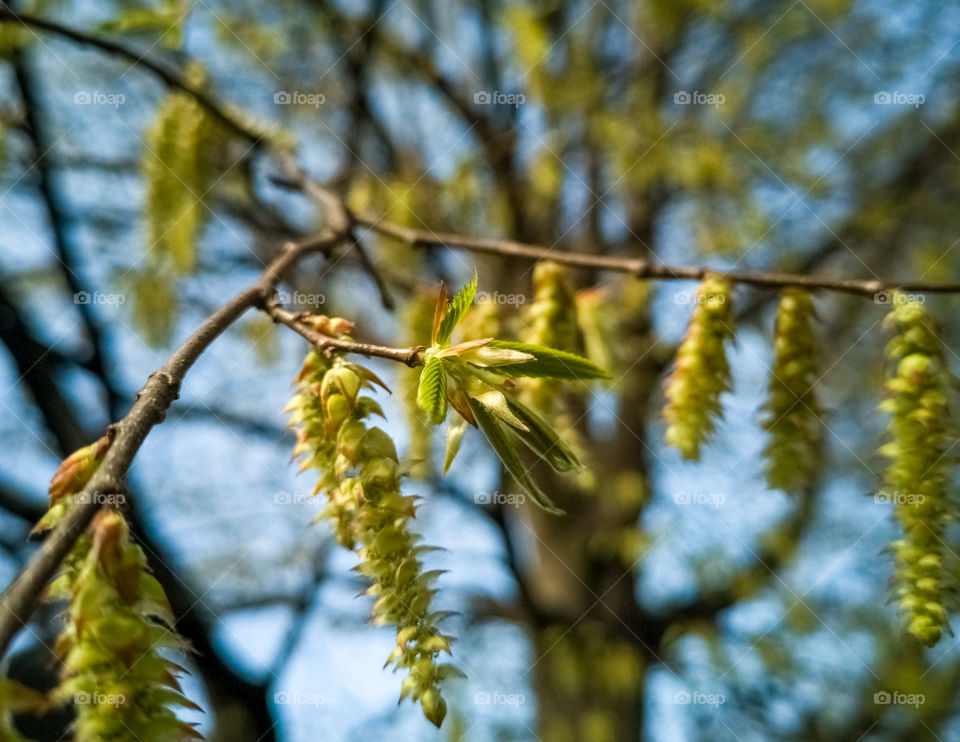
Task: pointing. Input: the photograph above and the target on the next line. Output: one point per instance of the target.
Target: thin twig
(640, 267)
(296, 322)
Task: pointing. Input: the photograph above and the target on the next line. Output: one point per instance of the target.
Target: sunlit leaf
(455, 312)
(454, 438)
(543, 440)
(432, 392)
(547, 363)
(499, 438)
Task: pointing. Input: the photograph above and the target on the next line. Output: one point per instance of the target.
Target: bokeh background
(676, 601)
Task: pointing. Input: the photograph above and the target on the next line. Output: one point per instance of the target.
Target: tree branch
(409, 356)
(162, 388)
(640, 267)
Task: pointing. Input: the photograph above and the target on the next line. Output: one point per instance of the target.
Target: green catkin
(919, 471)
(550, 321)
(119, 626)
(359, 474)
(179, 165)
(114, 646)
(701, 373)
(179, 169)
(793, 416)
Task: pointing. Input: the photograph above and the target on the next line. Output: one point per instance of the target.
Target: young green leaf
(499, 438)
(454, 437)
(543, 440)
(432, 392)
(455, 312)
(547, 363)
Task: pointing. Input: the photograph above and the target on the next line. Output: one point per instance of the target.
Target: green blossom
(701, 373)
(359, 474)
(919, 468)
(793, 421)
(116, 640)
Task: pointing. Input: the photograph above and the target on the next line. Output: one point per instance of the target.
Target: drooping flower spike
(701, 373)
(358, 474)
(920, 467)
(793, 415)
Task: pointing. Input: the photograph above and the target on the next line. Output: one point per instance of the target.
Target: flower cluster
(550, 321)
(793, 419)
(178, 168)
(701, 373)
(119, 625)
(359, 475)
(919, 465)
(115, 642)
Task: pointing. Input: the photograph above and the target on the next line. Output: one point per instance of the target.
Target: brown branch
(162, 388)
(296, 322)
(640, 267)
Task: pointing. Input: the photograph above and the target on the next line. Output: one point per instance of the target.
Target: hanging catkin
(918, 474)
(701, 373)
